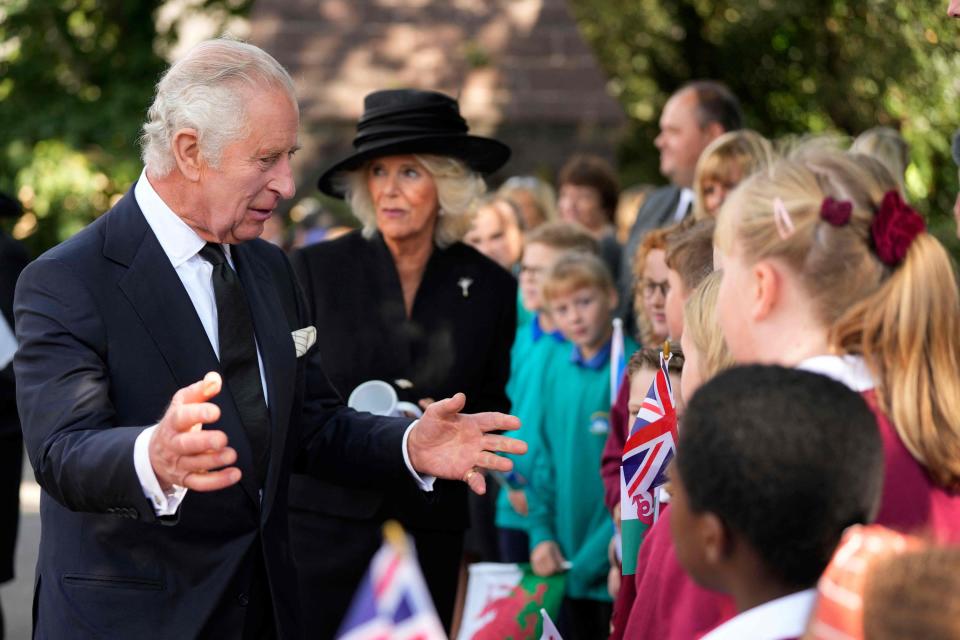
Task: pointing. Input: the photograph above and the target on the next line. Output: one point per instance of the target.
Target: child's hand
(546, 559)
(616, 516)
(613, 582)
(518, 500)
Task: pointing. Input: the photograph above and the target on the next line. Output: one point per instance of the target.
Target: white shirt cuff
(424, 482)
(164, 503)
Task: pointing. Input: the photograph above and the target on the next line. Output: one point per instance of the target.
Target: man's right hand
(182, 453)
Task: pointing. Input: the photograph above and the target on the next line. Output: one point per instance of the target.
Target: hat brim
(484, 155)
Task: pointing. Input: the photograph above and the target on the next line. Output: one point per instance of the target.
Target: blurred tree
(839, 66)
(76, 77)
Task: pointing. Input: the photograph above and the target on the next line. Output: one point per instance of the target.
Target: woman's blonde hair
(904, 319)
(457, 188)
(730, 159)
(700, 320)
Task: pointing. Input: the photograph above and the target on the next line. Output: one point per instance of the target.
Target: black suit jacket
(451, 343)
(657, 211)
(107, 335)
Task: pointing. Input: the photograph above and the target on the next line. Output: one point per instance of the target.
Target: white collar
(778, 619)
(683, 204)
(176, 238)
(849, 370)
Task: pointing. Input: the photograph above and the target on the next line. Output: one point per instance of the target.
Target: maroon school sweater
(668, 604)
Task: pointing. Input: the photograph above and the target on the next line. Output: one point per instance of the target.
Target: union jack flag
(392, 602)
(649, 448)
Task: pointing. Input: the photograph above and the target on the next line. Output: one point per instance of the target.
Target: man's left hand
(448, 444)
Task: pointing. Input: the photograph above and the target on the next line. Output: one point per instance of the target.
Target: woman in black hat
(403, 301)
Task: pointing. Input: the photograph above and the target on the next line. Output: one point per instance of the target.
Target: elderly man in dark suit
(168, 518)
(693, 117)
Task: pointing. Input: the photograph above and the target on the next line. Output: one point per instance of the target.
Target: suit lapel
(156, 293)
(278, 352)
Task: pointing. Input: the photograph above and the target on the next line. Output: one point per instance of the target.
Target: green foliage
(838, 66)
(76, 78)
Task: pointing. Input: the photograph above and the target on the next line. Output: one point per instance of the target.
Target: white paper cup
(374, 396)
(407, 408)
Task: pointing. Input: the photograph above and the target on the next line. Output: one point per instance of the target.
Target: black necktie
(238, 356)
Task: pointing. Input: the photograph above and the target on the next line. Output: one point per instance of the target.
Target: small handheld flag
(618, 359)
(392, 601)
(646, 454)
(549, 629)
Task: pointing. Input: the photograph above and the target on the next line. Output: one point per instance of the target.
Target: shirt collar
(596, 362)
(683, 204)
(538, 331)
(849, 370)
(176, 238)
(778, 619)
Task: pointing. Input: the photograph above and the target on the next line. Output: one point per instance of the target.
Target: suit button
(243, 599)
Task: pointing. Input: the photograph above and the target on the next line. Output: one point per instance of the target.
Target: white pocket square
(303, 339)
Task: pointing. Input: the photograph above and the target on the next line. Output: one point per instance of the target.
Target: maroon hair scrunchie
(894, 228)
(836, 212)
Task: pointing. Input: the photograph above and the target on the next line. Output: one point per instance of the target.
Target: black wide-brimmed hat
(402, 121)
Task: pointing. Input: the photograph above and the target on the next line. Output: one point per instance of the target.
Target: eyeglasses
(650, 288)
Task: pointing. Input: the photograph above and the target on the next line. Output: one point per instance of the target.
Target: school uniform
(781, 619)
(910, 503)
(533, 355)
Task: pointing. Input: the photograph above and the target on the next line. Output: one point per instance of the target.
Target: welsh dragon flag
(504, 602)
(648, 451)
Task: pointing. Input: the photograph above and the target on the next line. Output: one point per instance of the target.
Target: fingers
(187, 417)
(200, 391)
(204, 462)
(450, 406)
(487, 460)
(211, 480)
(494, 421)
(504, 444)
(196, 442)
(477, 483)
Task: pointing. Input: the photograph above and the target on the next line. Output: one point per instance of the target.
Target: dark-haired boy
(772, 465)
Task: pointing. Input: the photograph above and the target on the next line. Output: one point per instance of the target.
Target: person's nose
(283, 182)
(659, 141)
(953, 9)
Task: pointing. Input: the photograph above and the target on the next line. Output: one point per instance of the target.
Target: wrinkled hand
(182, 453)
(452, 445)
(546, 559)
(518, 500)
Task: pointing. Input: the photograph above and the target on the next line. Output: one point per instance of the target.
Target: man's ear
(714, 130)
(766, 289)
(186, 152)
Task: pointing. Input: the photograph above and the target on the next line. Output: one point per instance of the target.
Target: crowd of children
(815, 268)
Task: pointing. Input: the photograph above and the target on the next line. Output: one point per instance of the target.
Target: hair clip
(781, 217)
(894, 228)
(836, 212)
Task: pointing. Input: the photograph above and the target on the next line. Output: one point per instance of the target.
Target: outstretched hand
(455, 446)
(182, 453)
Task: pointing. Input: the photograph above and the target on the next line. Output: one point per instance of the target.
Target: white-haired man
(166, 315)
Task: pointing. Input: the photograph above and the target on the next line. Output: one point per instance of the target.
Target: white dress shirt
(778, 619)
(683, 204)
(181, 244)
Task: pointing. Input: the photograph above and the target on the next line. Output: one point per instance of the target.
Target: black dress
(458, 338)
(13, 258)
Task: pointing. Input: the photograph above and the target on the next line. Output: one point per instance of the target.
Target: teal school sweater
(532, 355)
(567, 499)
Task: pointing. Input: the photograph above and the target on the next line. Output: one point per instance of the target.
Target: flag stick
(395, 536)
